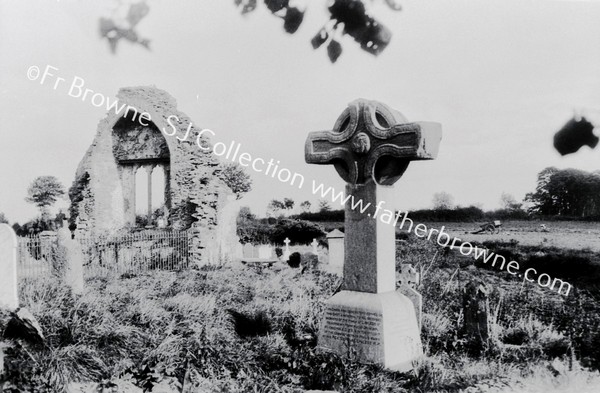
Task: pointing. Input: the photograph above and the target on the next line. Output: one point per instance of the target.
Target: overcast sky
(500, 76)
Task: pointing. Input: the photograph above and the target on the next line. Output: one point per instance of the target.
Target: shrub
(295, 260)
(322, 216)
(276, 230)
(309, 260)
(251, 325)
(303, 232)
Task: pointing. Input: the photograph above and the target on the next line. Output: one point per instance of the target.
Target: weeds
(177, 329)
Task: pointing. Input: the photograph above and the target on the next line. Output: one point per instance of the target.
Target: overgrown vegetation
(77, 193)
(240, 330)
(274, 230)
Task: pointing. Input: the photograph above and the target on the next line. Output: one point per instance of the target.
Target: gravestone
(335, 239)
(248, 251)
(73, 261)
(409, 279)
(8, 267)
(261, 256)
(371, 146)
(287, 252)
(265, 252)
(476, 311)
(314, 245)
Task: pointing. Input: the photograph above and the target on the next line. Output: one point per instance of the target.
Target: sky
(500, 76)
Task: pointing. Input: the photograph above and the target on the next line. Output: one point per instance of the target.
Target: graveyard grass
(176, 331)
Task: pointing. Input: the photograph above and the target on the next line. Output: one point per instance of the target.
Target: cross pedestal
(371, 146)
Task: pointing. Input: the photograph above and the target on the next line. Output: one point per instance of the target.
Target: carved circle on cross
(369, 141)
(361, 144)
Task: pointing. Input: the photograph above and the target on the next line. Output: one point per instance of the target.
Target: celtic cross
(371, 146)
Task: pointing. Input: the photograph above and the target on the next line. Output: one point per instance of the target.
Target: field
(576, 235)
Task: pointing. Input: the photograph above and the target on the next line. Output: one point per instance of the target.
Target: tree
(274, 207)
(442, 201)
(245, 213)
(566, 192)
(44, 192)
(305, 206)
(508, 202)
(236, 178)
(288, 204)
(3, 219)
(324, 205)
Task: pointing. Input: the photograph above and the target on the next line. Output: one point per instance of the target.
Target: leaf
(334, 50)
(137, 12)
(276, 5)
(319, 39)
(247, 5)
(351, 13)
(292, 20)
(394, 4)
(106, 26)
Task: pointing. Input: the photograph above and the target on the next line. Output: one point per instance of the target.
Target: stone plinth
(372, 327)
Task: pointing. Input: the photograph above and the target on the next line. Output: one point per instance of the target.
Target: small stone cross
(371, 146)
(409, 275)
(286, 253)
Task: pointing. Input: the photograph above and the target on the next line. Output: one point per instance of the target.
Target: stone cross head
(372, 141)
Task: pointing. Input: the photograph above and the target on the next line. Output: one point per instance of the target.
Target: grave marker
(409, 279)
(335, 240)
(73, 261)
(265, 252)
(314, 245)
(371, 146)
(8, 267)
(476, 311)
(287, 252)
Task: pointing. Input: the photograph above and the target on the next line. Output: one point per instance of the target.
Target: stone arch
(138, 145)
(196, 196)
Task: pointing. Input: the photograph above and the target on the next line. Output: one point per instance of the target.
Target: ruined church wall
(197, 195)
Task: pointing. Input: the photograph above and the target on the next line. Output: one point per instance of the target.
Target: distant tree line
(566, 193)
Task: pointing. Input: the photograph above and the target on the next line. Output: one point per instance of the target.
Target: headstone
(73, 261)
(8, 266)
(335, 240)
(409, 275)
(314, 245)
(287, 252)
(248, 251)
(408, 280)
(371, 146)
(265, 252)
(476, 311)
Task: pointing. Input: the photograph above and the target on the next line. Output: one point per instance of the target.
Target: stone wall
(196, 194)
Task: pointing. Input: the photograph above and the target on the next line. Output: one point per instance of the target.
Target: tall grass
(177, 329)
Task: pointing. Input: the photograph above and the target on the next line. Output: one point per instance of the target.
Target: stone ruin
(129, 139)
